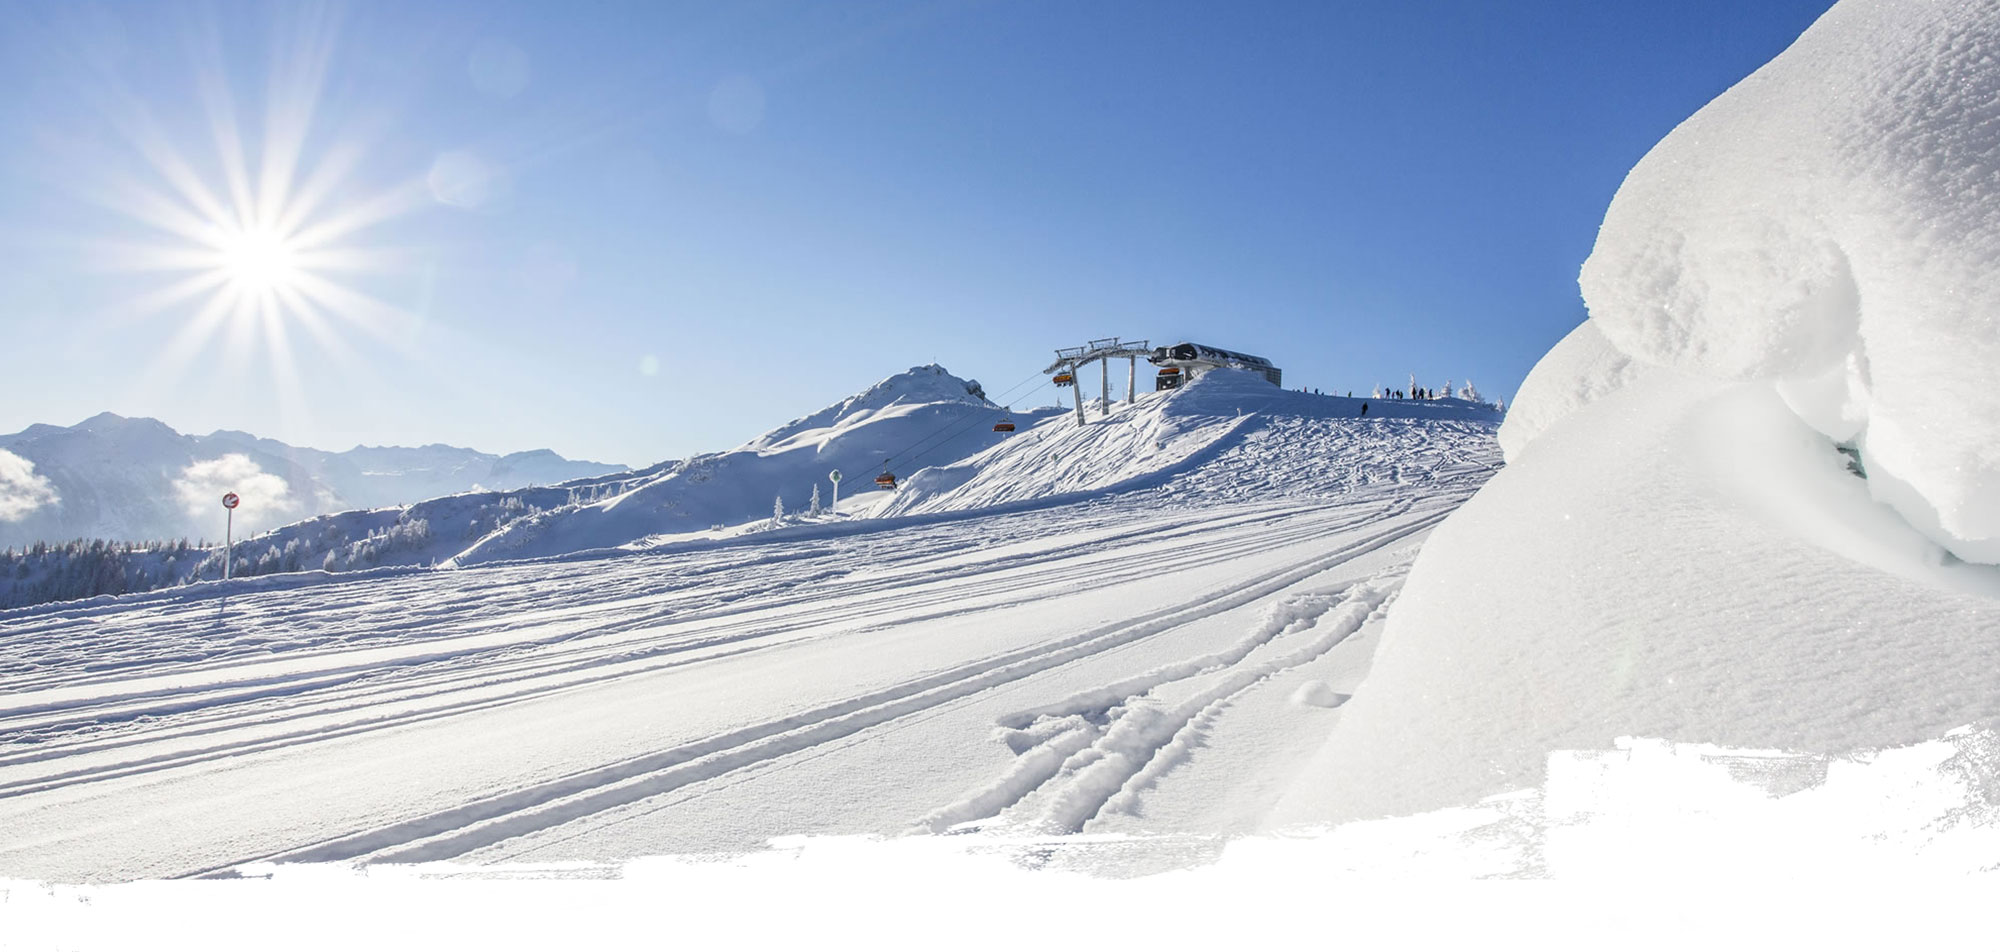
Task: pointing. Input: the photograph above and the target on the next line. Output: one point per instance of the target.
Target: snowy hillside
(922, 415)
(1161, 434)
(1147, 649)
(112, 477)
(1715, 604)
(1752, 501)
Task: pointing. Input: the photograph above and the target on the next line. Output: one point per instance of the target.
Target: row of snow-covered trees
(84, 568)
(53, 572)
(1467, 392)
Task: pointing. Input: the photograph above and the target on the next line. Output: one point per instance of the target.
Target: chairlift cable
(926, 437)
(925, 445)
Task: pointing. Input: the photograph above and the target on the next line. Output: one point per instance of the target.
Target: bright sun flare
(259, 259)
(257, 241)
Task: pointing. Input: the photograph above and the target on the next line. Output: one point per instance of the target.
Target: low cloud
(21, 491)
(266, 500)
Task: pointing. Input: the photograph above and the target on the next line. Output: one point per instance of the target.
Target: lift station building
(1182, 362)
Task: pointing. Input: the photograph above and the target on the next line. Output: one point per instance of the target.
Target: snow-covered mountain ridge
(137, 479)
(920, 416)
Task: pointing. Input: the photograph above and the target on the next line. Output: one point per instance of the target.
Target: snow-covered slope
(119, 478)
(921, 415)
(1152, 654)
(1161, 434)
(1680, 548)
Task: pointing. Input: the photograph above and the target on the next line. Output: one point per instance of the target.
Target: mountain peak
(917, 386)
(111, 425)
(929, 383)
(112, 421)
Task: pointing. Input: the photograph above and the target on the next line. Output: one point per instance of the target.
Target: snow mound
(1829, 226)
(1581, 368)
(1633, 576)
(1316, 693)
(1685, 553)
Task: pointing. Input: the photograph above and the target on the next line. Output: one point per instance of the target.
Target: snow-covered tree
(1469, 392)
(815, 499)
(777, 510)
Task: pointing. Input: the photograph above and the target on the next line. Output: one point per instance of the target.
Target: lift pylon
(1070, 359)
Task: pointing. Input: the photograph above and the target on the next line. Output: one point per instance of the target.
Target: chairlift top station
(1177, 363)
(1184, 361)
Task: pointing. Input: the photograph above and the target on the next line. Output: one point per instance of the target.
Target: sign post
(229, 501)
(834, 477)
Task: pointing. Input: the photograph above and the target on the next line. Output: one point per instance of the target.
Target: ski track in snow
(1097, 751)
(103, 700)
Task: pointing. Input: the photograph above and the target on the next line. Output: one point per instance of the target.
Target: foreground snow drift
(1677, 560)
(1830, 226)
(1792, 323)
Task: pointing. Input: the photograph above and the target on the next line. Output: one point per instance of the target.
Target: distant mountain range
(122, 478)
(139, 477)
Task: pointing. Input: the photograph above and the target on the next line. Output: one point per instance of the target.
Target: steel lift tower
(1071, 359)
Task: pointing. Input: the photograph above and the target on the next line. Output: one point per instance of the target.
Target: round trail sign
(229, 500)
(835, 475)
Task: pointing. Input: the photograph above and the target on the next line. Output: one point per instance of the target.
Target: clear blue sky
(635, 231)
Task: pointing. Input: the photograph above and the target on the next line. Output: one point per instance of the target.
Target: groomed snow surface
(1154, 649)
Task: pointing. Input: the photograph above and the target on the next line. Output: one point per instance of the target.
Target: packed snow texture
(1679, 548)
(1581, 368)
(1633, 575)
(1830, 226)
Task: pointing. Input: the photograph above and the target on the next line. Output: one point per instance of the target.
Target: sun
(259, 260)
(254, 225)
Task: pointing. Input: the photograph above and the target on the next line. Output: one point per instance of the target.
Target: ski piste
(1031, 638)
